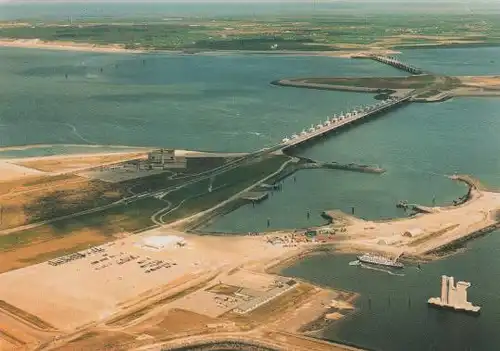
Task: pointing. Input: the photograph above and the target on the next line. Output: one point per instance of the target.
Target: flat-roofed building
(165, 159)
(161, 156)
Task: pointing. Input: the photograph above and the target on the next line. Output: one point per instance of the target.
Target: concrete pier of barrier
(397, 64)
(343, 122)
(352, 167)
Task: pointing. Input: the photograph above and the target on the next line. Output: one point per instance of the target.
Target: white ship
(454, 297)
(380, 261)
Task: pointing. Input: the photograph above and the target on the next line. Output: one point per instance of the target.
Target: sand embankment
(118, 48)
(424, 233)
(10, 171)
(320, 86)
(67, 46)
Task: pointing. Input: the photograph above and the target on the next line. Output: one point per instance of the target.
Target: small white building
(159, 243)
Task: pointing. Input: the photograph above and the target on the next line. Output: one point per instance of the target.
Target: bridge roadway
(318, 132)
(391, 61)
(289, 143)
(342, 121)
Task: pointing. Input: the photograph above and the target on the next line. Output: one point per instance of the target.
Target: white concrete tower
(461, 294)
(444, 289)
(452, 291)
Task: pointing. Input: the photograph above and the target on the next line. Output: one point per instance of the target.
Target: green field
(136, 215)
(129, 218)
(194, 166)
(196, 197)
(411, 82)
(315, 33)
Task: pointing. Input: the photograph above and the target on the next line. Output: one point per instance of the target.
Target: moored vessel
(380, 261)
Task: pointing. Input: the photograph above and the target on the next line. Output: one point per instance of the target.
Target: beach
(62, 45)
(117, 48)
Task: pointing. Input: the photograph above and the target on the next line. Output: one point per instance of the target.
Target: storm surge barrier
(342, 121)
(391, 61)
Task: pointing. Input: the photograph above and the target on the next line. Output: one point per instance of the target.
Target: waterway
(392, 314)
(418, 145)
(220, 103)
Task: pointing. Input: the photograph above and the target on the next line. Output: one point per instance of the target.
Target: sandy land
(115, 290)
(71, 156)
(443, 226)
(481, 81)
(115, 48)
(41, 146)
(70, 299)
(10, 171)
(41, 251)
(68, 46)
(475, 92)
(68, 163)
(16, 335)
(13, 168)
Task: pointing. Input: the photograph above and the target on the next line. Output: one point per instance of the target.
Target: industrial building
(165, 158)
(283, 285)
(161, 156)
(453, 296)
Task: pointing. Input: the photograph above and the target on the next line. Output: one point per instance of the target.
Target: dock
(354, 167)
(269, 186)
(416, 207)
(255, 196)
(351, 167)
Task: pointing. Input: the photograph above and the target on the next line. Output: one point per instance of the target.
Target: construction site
(155, 286)
(110, 275)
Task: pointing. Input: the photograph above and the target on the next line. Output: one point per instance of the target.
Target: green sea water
(220, 103)
(392, 313)
(418, 145)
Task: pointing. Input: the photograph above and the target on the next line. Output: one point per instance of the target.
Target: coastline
(64, 46)
(117, 48)
(41, 146)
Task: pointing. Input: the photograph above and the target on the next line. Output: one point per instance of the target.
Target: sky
(255, 1)
(472, 2)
